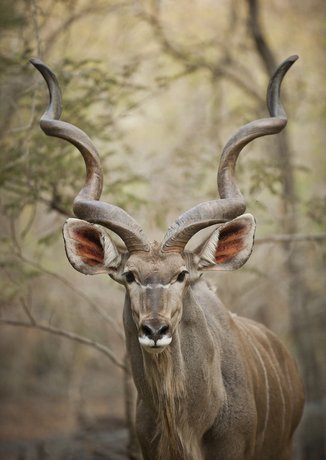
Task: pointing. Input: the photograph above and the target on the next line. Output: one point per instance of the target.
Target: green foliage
(264, 176)
(38, 172)
(35, 168)
(316, 210)
(9, 16)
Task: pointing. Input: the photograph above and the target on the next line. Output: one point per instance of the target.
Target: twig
(14, 237)
(83, 296)
(90, 9)
(67, 334)
(263, 49)
(288, 238)
(54, 205)
(36, 27)
(40, 268)
(195, 63)
(27, 311)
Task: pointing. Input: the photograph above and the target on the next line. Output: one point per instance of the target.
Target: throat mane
(166, 379)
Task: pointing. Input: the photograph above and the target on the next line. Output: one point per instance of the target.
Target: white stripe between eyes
(155, 286)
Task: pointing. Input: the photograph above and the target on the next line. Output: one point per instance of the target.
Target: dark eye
(130, 277)
(181, 276)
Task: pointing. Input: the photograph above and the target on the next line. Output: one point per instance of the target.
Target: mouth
(155, 346)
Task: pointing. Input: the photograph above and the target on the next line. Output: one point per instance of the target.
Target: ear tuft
(89, 248)
(230, 245)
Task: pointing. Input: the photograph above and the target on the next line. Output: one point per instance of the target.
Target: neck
(168, 382)
(165, 377)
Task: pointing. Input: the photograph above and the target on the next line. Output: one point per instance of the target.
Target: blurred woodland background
(159, 86)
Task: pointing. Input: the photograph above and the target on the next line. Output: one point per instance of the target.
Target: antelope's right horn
(86, 204)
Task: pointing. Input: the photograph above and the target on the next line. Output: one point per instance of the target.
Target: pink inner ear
(88, 245)
(232, 240)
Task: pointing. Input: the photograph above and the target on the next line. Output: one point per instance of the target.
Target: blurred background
(159, 86)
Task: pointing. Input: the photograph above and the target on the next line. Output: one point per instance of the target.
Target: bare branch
(13, 235)
(91, 9)
(19, 254)
(63, 280)
(68, 335)
(54, 205)
(36, 27)
(263, 48)
(27, 311)
(289, 238)
(83, 296)
(196, 63)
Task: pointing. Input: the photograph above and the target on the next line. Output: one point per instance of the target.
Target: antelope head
(156, 275)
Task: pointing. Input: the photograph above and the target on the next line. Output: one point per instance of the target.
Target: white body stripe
(248, 336)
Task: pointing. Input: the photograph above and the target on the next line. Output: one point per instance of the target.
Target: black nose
(155, 330)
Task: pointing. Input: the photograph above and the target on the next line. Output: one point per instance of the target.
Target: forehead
(155, 266)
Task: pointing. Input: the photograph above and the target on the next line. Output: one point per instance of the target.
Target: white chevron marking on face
(164, 341)
(147, 342)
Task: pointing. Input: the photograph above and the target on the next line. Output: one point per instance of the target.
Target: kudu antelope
(211, 385)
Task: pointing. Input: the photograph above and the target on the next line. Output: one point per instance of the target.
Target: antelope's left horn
(231, 203)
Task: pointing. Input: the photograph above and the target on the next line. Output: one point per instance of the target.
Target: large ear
(89, 248)
(229, 246)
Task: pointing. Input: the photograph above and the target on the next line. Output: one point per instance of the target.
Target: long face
(155, 285)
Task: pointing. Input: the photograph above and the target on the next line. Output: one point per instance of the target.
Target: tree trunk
(298, 291)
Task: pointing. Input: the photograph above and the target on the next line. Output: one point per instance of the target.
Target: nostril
(147, 330)
(155, 334)
(163, 330)
(155, 331)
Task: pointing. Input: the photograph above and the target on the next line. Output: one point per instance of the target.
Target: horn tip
(293, 58)
(36, 62)
(43, 68)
